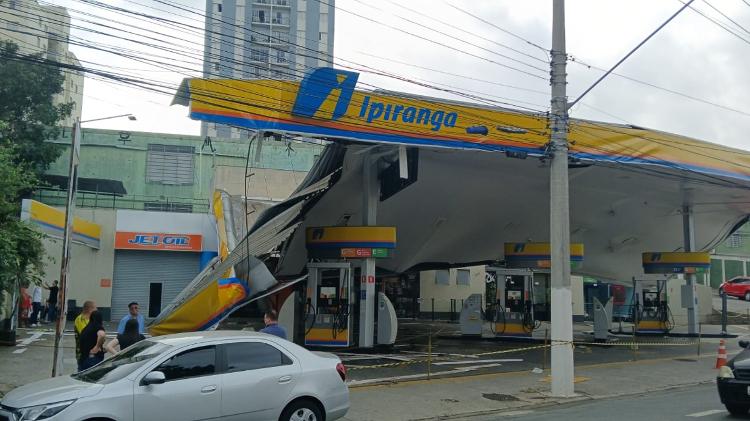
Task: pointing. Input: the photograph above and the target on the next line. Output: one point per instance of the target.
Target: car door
(192, 390)
(257, 381)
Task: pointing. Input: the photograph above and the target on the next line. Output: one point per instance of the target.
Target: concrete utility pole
(688, 227)
(75, 147)
(370, 198)
(562, 303)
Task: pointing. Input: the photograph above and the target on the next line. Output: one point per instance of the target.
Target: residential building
(45, 30)
(279, 39)
(732, 257)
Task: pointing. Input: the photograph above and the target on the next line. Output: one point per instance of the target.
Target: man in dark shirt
(54, 291)
(271, 319)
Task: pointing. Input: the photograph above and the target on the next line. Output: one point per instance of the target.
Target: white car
(221, 375)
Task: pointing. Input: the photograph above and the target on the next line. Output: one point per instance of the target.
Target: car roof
(211, 336)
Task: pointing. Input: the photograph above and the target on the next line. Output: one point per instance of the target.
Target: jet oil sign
(327, 93)
(157, 241)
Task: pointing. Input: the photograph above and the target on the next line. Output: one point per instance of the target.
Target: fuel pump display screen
(327, 292)
(514, 295)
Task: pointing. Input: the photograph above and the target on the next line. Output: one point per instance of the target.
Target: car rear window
(243, 356)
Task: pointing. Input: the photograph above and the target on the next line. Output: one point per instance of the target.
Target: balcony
(281, 3)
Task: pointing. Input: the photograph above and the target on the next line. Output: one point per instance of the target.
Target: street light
(68, 235)
(130, 117)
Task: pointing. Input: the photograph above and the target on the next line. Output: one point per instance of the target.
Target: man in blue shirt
(133, 314)
(271, 319)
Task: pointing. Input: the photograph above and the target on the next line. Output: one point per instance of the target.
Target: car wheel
(747, 296)
(738, 410)
(302, 410)
(721, 292)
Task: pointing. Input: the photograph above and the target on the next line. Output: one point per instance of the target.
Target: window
(218, 7)
(463, 277)
(252, 356)
(169, 164)
(442, 277)
(192, 363)
(734, 240)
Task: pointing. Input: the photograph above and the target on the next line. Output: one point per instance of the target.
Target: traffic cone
(721, 359)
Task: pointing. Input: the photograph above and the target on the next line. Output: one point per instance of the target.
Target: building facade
(45, 30)
(731, 258)
(279, 39)
(148, 194)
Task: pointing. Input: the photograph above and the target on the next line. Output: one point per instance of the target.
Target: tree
(29, 115)
(28, 108)
(21, 248)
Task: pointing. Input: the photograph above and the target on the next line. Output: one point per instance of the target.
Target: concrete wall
(266, 184)
(88, 267)
(442, 294)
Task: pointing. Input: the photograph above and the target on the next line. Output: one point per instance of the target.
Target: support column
(688, 232)
(562, 302)
(367, 298)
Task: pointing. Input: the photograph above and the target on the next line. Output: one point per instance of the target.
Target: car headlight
(725, 373)
(41, 412)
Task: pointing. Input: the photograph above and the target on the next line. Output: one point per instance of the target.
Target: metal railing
(55, 197)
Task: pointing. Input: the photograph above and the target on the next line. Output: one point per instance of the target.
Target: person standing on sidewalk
(80, 323)
(271, 319)
(54, 292)
(92, 342)
(132, 314)
(36, 305)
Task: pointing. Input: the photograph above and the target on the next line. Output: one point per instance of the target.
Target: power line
(727, 17)
(503, 30)
(630, 53)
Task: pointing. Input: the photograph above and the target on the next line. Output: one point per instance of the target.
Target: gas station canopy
(459, 180)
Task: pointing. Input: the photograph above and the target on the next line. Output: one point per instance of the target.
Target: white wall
(442, 294)
(674, 298)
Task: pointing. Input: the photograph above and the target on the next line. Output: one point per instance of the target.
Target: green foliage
(21, 249)
(28, 117)
(27, 108)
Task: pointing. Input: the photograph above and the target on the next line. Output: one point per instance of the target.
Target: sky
(434, 40)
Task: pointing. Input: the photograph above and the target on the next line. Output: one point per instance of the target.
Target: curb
(559, 401)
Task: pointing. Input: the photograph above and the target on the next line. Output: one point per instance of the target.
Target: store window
(170, 164)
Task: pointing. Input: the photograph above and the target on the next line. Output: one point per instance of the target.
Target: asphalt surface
(698, 403)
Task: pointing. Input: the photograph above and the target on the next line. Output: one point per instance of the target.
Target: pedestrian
(54, 292)
(271, 319)
(124, 340)
(91, 342)
(36, 305)
(132, 314)
(25, 308)
(80, 323)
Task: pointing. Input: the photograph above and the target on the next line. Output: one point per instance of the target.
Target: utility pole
(75, 148)
(561, 297)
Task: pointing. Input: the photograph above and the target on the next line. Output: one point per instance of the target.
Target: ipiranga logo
(326, 93)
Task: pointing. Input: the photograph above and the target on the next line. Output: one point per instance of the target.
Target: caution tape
(528, 348)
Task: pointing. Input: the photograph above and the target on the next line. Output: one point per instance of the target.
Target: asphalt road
(734, 305)
(693, 403)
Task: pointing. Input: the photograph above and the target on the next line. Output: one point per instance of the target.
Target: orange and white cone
(721, 359)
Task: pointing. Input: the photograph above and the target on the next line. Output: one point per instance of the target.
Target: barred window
(734, 240)
(169, 164)
(168, 207)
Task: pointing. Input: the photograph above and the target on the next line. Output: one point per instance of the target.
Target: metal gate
(135, 271)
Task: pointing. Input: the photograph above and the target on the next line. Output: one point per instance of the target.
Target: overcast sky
(690, 55)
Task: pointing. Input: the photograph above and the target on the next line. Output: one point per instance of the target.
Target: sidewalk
(488, 394)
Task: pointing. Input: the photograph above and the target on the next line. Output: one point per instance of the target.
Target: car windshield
(123, 363)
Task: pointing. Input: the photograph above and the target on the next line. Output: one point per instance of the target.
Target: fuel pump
(513, 311)
(651, 312)
(327, 310)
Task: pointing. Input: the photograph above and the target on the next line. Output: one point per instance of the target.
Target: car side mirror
(154, 377)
